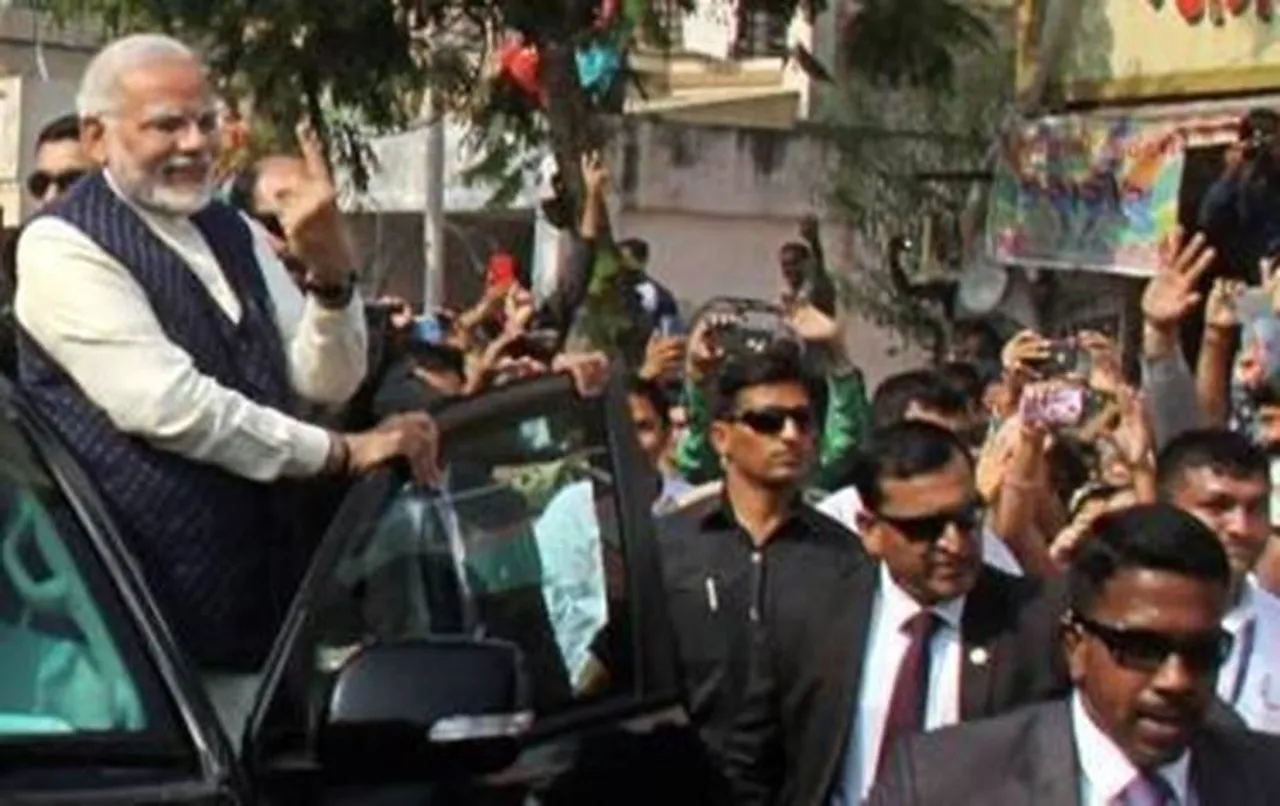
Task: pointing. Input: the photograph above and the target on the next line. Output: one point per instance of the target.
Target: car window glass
(520, 542)
(70, 664)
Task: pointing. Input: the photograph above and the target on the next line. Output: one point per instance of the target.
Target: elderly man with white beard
(166, 343)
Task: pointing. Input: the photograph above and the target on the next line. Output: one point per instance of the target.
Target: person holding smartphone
(1239, 213)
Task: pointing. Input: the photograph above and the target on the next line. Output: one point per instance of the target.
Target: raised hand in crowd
(1220, 308)
(595, 172)
(663, 357)
(590, 371)
(704, 354)
(1217, 348)
(495, 362)
(1022, 351)
(1269, 279)
(518, 308)
(1106, 375)
(1171, 295)
(401, 311)
(812, 325)
(1134, 444)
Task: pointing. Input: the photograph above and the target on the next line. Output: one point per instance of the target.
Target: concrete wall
(26, 105)
(715, 205)
(41, 66)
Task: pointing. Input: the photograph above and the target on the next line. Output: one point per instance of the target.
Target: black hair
(966, 377)
(795, 250)
(1259, 122)
(926, 388)
(66, 127)
(638, 248)
(652, 392)
(241, 194)
(1217, 449)
(780, 362)
(901, 451)
(984, 332)
(1156, 537)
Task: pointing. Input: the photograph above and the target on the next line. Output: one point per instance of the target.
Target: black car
(500, 639)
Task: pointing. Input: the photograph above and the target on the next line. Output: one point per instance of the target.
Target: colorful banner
(1094, 193)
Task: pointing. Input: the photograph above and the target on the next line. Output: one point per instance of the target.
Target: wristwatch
(332, 295)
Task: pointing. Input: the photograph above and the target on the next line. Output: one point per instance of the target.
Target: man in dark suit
(1143, 640)
(924, 638)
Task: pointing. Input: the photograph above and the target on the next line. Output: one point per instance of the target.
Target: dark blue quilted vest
(203, 536)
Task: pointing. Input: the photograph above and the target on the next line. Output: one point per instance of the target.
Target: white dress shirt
(92, 318)
(1250, 679)
(1105, 772)
(887, 645)
(845, 506)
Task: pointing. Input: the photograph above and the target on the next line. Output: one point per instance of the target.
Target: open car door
(501, 634)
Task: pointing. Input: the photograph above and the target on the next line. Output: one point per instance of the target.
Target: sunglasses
(38, 183)
(1147, 650)
(771, 421)
(931, 528)
(271, 223)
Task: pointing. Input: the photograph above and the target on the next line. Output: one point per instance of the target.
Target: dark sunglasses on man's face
(772, 420)
(931, 528)
(1147, 650)
(38, 183)
(271, 223)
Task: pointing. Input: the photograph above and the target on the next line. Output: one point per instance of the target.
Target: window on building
(761, 32)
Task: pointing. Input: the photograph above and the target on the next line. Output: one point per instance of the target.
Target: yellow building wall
(1146, 49)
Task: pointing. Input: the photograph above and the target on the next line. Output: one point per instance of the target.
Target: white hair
(100, 87)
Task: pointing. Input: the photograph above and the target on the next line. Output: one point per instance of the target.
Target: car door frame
(218, 768)
(655, 694)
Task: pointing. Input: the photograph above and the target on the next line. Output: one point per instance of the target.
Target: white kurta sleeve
(93, 319)
(327, 349)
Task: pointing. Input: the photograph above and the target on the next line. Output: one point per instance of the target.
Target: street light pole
(433, 213)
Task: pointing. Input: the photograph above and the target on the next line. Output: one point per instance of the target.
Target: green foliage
(891, 126)
(914, 43)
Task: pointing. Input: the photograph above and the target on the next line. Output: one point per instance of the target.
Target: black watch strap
(332, 295)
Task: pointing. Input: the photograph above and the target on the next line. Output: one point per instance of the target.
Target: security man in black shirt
(723, 557)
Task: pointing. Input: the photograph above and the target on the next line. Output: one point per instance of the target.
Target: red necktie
(911, 686)
(1148, 789)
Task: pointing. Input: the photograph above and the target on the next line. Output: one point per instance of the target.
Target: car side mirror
(425, 710)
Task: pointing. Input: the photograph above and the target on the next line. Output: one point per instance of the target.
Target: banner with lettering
(1093, 193)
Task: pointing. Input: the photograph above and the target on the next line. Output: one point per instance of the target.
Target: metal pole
(433, 214)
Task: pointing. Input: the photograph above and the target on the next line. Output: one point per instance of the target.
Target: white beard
(175, 201)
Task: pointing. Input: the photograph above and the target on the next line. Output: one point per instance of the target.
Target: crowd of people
(1017, 577)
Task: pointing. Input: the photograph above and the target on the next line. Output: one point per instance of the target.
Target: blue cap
(428, 330)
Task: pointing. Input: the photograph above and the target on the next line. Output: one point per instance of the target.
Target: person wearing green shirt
(848, 412)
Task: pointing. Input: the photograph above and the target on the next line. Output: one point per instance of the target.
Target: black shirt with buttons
(719, 586)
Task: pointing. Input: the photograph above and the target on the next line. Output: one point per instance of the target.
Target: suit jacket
(791, 739)
(1028, 758)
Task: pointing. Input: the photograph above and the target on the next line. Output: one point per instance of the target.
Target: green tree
(897, 136)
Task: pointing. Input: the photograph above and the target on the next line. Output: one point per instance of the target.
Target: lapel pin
(979, 656)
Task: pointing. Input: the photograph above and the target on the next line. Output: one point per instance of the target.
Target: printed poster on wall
(1092, 193)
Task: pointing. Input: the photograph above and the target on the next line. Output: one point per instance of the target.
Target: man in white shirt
(1144, 642)
(166, 344)
(1224, 480)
